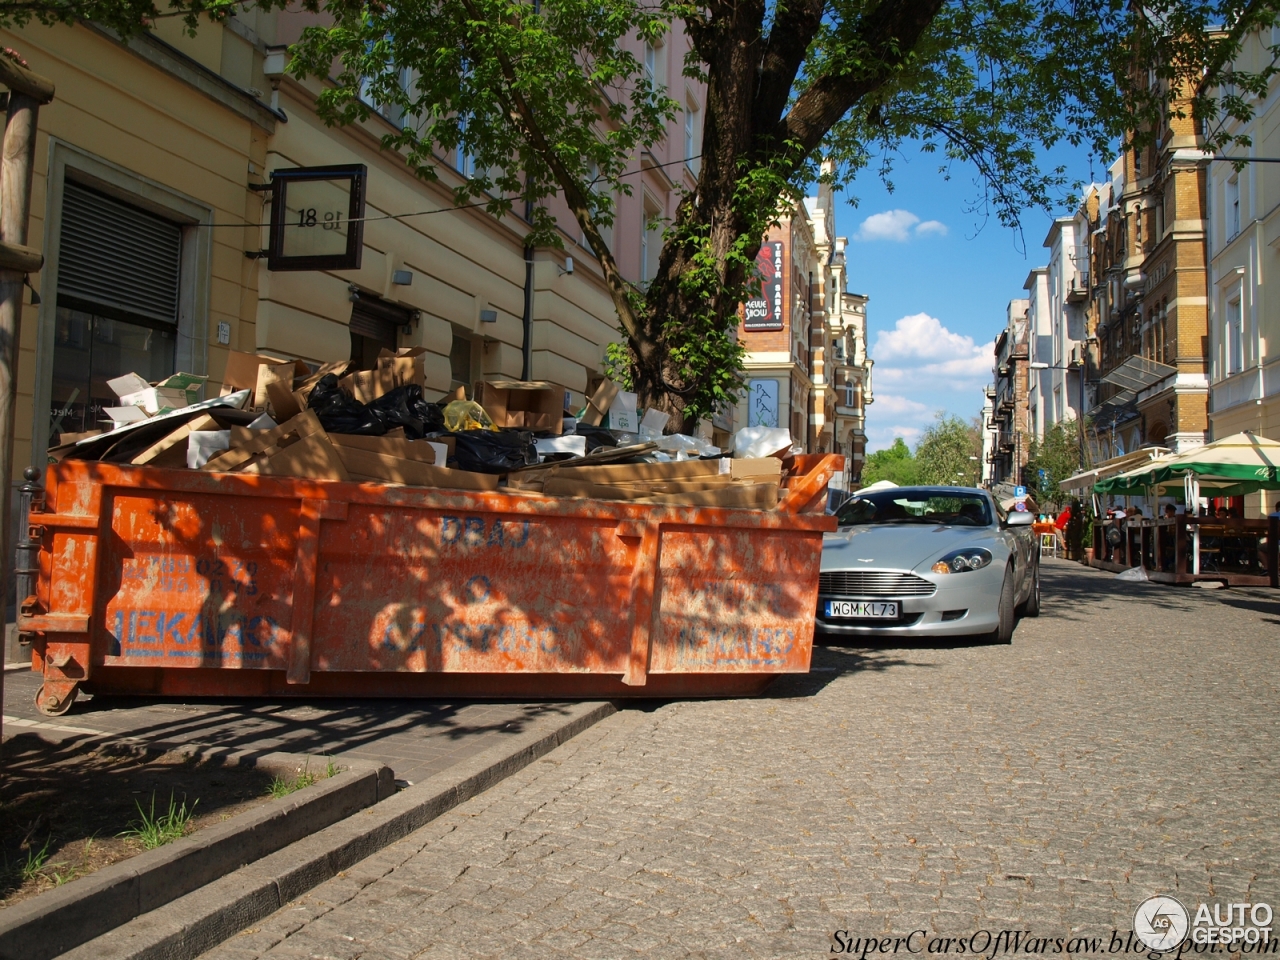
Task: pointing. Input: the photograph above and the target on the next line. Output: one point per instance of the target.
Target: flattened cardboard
(203, 445)
(388, 469)
(600, 394)
(757, 495)
(529, 404)
(175, 440)
(304, 425)
(312, 457)
(280, 374)
(421, 451)
(122, 415)
(283, 405)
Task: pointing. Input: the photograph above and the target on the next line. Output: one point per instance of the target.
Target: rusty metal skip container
(185, 583)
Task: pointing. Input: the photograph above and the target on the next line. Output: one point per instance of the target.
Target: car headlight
(962, 561)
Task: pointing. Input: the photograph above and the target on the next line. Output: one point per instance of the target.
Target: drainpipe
(526, 368)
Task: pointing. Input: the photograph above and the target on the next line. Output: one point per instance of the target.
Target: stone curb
(189, 926)
(63, 918)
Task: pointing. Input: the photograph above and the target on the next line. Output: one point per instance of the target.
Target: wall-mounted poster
(765, 311)
(762, 403)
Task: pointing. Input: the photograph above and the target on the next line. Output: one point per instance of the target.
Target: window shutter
(116, 255)
(377, 319)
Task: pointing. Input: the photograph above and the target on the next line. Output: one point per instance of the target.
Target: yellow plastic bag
(466, 415)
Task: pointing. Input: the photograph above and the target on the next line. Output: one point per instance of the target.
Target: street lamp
(1079, 368)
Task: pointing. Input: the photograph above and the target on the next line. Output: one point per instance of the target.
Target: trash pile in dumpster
(282, 418)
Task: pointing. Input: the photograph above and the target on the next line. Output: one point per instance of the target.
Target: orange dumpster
(176, 582)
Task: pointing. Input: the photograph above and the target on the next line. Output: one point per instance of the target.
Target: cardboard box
(369, 465)
(245, 372)
(129, 383)
(406, 365)
(529, 404)
(600, 394)
(367, 385)
(622, 413)
(157, 400)
(432, 452)
(119, 416)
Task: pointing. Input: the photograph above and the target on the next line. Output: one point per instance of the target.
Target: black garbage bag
(488, 451)
(597, 437)
(402, 407)
(406, 407)
(340, 413)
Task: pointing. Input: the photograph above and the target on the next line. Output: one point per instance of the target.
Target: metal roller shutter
(116, 255)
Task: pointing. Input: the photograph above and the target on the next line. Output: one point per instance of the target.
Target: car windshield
(959, 508)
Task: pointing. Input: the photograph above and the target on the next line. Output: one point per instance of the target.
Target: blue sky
(940, 277)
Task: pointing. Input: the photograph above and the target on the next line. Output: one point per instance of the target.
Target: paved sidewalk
(416, 738)
(1122, 746)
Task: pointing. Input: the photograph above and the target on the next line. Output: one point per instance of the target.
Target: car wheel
(1008, 616)
(1031, 606)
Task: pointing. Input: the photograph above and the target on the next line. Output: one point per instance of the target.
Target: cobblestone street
(1123, 746)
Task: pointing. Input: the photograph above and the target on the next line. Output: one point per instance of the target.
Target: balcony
(1078, 292)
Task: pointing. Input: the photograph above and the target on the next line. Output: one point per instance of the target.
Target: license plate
(873, 609)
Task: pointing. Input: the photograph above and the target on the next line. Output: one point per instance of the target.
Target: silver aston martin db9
(927, 561)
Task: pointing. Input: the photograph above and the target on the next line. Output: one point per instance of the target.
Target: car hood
(898, 546)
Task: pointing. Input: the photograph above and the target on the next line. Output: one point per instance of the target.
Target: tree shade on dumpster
(173, 582)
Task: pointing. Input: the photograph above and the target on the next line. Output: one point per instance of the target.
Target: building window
(599, 188)
(463, 161)
(650, 239)
(692, 134)
(651, 64)
(119, 278)
(374, 324)
(1233, 208)
(460, 360)
(1235, 337)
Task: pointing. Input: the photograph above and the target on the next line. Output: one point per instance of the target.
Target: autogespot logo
(1161, 923)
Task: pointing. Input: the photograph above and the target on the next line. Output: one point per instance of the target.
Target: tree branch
(887, 36)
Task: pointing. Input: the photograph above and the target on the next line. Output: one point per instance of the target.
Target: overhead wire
(463, 206)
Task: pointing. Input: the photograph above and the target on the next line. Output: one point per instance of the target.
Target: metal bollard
(26, 559)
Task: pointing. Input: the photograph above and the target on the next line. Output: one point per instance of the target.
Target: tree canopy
(1052, 460)
(895, 464)
(546, 100)
(950, 452)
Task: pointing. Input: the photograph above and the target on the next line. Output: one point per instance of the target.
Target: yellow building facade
(144, 205)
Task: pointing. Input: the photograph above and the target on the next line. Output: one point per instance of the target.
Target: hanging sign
(317, 218)
(762, 403)
(765, 311)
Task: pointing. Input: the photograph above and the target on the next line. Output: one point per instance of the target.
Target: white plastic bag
(760, 441)
(1133, 573)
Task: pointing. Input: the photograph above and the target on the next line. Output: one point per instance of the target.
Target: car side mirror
(1019, 519)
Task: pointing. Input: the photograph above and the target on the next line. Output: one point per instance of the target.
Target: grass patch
(35, 862)
(283, 786)
(155, 830)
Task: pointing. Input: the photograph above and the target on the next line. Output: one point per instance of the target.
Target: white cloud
(922, 337)
(889, 403)
(882, 438)
(891, 225)
(898, 226)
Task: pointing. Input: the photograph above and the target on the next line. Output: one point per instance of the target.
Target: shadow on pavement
(299, 726)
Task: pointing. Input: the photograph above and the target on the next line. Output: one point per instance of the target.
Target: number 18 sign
(317, 218)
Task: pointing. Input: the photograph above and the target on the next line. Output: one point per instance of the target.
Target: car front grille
(873, 583)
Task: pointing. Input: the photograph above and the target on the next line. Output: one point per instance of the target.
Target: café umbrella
(1238, 464)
